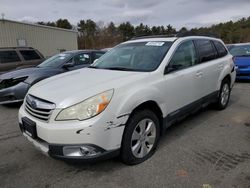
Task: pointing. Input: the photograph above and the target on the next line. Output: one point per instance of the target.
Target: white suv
(123, 102)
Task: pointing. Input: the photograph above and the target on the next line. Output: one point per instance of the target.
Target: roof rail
(152, 36)
(178, 35)
(16, 47)
(190, 33)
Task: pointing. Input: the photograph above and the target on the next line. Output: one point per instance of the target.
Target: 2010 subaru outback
(125, 101)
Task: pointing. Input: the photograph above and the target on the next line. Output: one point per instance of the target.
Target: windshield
(242, 50)
(137, 56)
(56, 60)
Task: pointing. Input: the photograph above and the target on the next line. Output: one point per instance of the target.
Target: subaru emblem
(33, 104)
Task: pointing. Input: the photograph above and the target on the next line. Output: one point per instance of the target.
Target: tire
(224, 95)
(144, 143)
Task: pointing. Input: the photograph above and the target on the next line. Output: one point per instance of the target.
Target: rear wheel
(224, 95)
(140, 137)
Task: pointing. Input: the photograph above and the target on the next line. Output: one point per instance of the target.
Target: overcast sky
(188, 13)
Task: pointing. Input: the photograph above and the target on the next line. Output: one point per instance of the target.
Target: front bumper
(99, 132)
(57, 151)
(14, 94)
(243, 73)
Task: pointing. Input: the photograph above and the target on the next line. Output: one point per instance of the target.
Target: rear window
(29, 55)
(220, 49)
(9, 56)
(206, 50)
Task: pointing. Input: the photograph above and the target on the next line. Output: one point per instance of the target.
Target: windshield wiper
(120, 68)
(93, 67)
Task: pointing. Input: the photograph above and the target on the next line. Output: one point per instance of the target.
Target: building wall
(47, 40)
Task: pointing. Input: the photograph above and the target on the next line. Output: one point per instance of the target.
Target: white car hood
(70, 88)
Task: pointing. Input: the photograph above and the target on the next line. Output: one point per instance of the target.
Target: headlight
(86, 109)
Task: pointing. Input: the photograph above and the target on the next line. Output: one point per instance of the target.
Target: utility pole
(2, 16)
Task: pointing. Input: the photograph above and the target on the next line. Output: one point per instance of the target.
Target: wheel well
(227, 77)
(153, 106)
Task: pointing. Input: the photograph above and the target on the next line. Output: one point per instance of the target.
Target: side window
(97, 55)
(82, 59)
(184, 56)
(29, 55)
(220, 49)
(206, 50)
(9, 56)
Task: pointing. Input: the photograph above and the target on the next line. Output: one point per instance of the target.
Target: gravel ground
(210, 149)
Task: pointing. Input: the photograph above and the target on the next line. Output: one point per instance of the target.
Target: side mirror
(68, 65)
(171, 68)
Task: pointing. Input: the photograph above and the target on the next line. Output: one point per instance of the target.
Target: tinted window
(82, 59)
(56, 60)
(97, 55)
(29, 55)
(8, 57)
(134, 56)
(220, 49)
(240, 50)
(206, 50)
(184, 56)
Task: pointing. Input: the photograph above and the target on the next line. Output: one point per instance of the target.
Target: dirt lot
(210, 149)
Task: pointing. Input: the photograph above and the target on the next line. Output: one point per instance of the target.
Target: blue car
(241, 53)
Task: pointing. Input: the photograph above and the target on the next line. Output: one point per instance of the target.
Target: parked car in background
(241, 53)
(15, 84)
(124, 101)
(19, 57)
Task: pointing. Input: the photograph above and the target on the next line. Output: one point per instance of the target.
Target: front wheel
(224, 95)
(140, 137)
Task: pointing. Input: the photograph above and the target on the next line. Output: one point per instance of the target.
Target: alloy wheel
(143, 138)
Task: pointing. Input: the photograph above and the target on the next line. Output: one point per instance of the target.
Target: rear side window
(206, 50)
(29, 55)
(9, 56)
(220, 49)
(82, 59)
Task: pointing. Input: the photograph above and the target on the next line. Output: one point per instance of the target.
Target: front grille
(39, 108)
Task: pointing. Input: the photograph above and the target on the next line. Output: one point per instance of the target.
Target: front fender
(226, 71)
(133, 98)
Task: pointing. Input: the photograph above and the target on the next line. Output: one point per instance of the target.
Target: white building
(48, 40)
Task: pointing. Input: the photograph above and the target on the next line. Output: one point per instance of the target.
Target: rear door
(209, 65)
(9, 60)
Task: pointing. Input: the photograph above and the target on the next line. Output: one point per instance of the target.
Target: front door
(182, 79)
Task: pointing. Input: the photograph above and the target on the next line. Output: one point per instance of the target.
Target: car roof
(80, 51)
(11, 48)
(239, 44)
(151, 39)
(172, 38)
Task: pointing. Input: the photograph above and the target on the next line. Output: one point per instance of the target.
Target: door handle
(199, 74)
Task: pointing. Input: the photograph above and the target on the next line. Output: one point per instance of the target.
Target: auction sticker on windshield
(155, 44)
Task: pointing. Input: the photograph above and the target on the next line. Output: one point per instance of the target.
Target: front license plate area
(29, 127)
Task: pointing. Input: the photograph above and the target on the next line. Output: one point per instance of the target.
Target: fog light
(80, 151)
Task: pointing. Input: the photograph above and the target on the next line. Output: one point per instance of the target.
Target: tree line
(98, 35)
